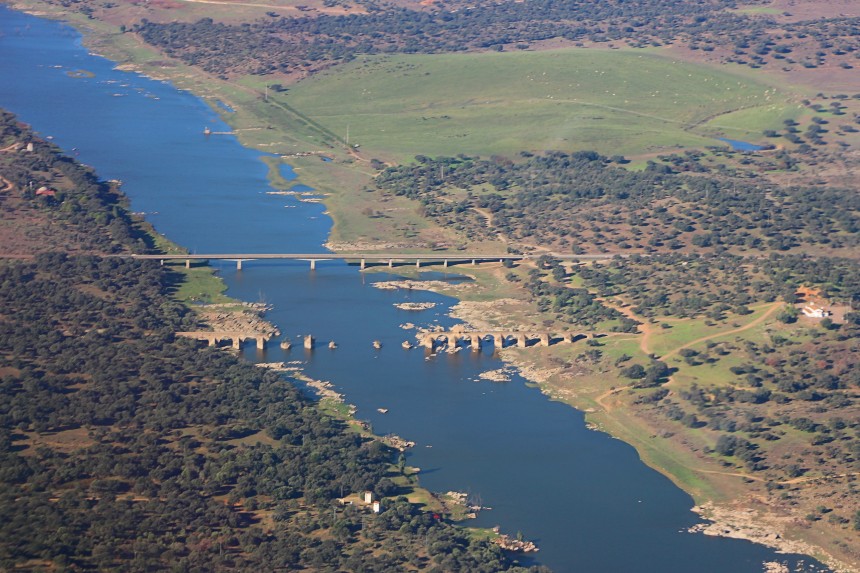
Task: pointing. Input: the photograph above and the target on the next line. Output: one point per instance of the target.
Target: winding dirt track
(773, 308)
(7, 185)
(647, 330)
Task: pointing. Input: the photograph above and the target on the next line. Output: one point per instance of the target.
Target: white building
(813, 310)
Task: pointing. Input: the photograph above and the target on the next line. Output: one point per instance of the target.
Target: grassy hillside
(608, 100)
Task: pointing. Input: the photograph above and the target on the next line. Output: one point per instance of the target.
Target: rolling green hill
(612, 101)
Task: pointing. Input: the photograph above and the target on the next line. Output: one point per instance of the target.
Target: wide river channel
(586, 499)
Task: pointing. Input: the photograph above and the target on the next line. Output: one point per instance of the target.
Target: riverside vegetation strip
(678, 300)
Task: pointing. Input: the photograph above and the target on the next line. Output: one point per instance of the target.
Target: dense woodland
(585, 202)
(308, 43)
(689, 285)
(123, 448)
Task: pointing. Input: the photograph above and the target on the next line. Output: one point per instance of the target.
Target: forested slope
(306, 43)
(585, 202)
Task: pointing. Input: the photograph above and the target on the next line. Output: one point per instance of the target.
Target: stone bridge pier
(455, 336)
(236, 338)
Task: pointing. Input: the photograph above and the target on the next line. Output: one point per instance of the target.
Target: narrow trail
(7, 185)
(792, 481)
(645, 327)
(601, 400)
(687, 126)
(773, 308)
(488, 218)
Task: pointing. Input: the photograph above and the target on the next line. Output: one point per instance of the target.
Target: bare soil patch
(65, 441)
(801, 10)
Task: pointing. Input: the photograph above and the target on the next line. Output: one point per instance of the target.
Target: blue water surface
(741, 145)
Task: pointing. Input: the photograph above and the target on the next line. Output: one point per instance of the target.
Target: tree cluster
(311, 42)
(582, 202)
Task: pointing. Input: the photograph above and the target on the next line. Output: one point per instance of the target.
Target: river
(585, 498)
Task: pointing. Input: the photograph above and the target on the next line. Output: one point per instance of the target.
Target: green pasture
(199, 284)
(708, 374)
(686, 331)
(613, 101)
(751, 122)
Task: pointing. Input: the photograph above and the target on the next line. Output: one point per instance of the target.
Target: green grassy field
(686, 331)
(614, 101)
(756, 119)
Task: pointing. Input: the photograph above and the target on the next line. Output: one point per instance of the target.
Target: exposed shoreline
(719, 520)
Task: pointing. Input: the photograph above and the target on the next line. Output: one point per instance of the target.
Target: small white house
(812, 310)
(368, 497)
(377, 507)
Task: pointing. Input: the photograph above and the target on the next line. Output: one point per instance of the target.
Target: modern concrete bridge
(521, 338)
(364, 259)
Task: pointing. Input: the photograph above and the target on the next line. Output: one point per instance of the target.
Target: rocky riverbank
(414, 305)
(745, 523)
(237, 317)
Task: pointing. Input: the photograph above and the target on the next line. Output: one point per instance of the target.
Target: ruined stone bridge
(500, 338)
(236, 338)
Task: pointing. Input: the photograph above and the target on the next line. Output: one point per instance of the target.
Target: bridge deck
(367, 256)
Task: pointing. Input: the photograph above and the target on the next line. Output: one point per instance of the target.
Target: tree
(787, 315)
(634, 371)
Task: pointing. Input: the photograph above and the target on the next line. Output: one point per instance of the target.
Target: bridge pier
(417, 263)
(363, 264)
(239, 264)
(187, 263)
(445, 263)
(261, 343)
(237, 343)
(474, 262)
(390, 263)
(309, 342)
(458, 337)
(313, 264)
